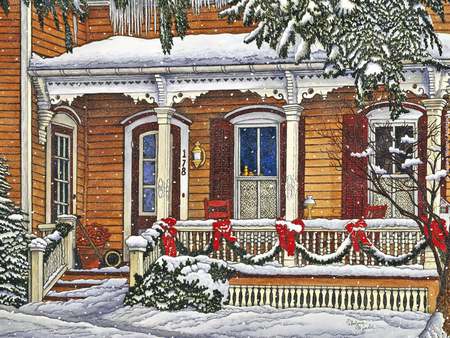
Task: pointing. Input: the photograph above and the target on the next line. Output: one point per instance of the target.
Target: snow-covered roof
(193, 50)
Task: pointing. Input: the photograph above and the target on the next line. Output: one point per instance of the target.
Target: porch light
(309, 204)
(198, 155)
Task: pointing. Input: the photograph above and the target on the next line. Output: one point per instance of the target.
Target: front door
(145, 172)
(256, 172)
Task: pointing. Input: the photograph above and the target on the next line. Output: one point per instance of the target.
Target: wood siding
(10, 94)
(48, 41)
(207, 22)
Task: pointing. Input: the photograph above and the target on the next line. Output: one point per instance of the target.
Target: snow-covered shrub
(175, 283)
(13, 247)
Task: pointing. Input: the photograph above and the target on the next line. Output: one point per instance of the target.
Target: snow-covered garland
(51, 241)
(287, 240)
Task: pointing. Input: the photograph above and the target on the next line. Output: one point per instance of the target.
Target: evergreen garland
(389, 260)
(335, 257)
(235, 247)
(62, 229)
(14, 241)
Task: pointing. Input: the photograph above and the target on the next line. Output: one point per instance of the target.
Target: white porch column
(164, 179)
(434, 119)
(293, 112)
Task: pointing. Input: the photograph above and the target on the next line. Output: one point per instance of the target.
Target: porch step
(74, 280)
(93, 274)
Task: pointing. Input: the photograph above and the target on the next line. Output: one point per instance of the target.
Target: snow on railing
(389, 237)
(51, 256)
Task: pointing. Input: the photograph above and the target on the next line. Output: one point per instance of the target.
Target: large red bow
(438, 236)
(358, 234)
(168, 237)
(287, 234)
(222, 229)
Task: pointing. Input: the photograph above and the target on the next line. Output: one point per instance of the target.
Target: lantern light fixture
(198, 155)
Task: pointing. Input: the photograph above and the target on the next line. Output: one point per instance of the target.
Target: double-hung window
(61, 171)
(390, 154)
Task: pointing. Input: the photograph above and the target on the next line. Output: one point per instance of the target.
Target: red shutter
(354, 181)
(422, 152)
(301, 165)
(282, 167)
(222, 160)
(176, 144)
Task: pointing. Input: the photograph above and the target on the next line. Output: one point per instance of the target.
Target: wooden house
(122, 135)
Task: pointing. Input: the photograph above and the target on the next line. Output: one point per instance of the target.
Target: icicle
(138, 15)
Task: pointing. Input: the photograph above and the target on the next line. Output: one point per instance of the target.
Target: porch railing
(342, 297)
(47, 266)
(392, 237)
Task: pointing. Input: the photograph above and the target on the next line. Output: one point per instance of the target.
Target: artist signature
(359, 325)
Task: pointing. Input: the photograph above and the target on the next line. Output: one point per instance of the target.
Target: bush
(175, 283)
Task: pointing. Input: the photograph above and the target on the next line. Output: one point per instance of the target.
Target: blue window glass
(148, 200)
(268, 151)
(149, 173)
(149, 146)
(248, 151)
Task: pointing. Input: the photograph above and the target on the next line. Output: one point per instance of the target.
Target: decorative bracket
(45, 115)
(291, 87)
(161, 87)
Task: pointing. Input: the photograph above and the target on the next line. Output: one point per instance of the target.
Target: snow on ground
(102, 314)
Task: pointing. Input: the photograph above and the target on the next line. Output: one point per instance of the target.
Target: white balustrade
(45, 271)
(338, 297)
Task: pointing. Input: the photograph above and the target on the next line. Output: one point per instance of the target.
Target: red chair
(375, 211)
(217, 209)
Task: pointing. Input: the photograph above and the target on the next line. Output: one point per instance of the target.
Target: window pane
(148, 200)
(149, 146)
(149, 173)
(400, 132)
(383, 140)
(268, 151)
(248, 144)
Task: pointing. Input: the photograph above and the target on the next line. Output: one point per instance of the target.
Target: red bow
(358, 234)
(168, 237)
(438, 236)
(287, 235)
(222, 229)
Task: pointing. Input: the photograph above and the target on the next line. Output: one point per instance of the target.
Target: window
(389, 146)
(257, 172)
(61, 171)
(390, 153)
(147, 173)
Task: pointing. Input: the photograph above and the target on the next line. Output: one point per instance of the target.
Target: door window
(257, 176)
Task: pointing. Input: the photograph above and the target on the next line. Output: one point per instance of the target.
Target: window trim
(237, 165)
(380, 116)
(66, 120)
(141, 173)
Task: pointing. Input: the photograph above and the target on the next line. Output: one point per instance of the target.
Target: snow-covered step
(79, 284)
(105, 273)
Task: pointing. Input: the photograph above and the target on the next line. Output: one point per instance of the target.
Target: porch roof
(193, 50)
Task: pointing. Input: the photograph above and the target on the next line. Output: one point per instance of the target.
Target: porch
(359, 280)
(226, 109)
